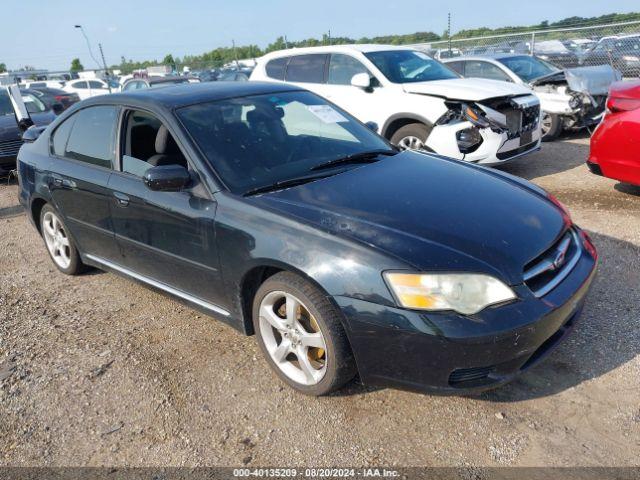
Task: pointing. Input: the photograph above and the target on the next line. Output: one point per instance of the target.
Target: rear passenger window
(306, 68)
(275, 68)
(61, 135)
(92, 138)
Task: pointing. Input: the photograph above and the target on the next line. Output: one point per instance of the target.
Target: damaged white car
(415, 101)
(572, 98)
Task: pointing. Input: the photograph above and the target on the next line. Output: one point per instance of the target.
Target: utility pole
(449, 31)
(286, 44)
(235, 54)
(329, 37)
(104, 64)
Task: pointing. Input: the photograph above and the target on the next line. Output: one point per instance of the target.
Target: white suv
(414, 101)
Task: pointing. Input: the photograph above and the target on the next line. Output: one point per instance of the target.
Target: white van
(415, 101)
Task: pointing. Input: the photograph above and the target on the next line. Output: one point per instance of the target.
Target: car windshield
(261, 140)
(528, 68)
(407, 66)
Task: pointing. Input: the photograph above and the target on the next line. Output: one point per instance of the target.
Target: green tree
(3, 68)
(168, 60)
(76, 66)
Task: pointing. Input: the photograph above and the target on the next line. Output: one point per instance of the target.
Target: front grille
(522, 113)
(471, 377)
(549, 269)
(10, 147)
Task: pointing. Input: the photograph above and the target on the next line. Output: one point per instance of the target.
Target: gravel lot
(97, 370)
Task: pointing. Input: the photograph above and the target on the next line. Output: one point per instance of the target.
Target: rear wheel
(412, 137)
(551, 126)
(301, 335)
(60, 245)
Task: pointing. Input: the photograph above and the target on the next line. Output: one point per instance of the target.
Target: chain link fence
(615, 44)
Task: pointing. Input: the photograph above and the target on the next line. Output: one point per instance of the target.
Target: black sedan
(53, 96)
(281, 215)
(10, 133)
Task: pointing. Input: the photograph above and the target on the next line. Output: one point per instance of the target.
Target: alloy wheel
(293, 338)
(56, 240)
(411, 142)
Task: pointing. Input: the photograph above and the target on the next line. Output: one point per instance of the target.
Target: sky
(41, 33)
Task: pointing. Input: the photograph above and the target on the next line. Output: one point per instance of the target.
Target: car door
(374, 104)
(165, 237)
(83, 152)
(81, 88)
(97, 88)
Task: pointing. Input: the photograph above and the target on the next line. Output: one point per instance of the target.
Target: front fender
(249, 237)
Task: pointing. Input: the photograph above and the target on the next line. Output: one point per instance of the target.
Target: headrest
(164, 142)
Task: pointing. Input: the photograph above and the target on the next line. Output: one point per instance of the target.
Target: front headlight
(630, 58)
(466, 293)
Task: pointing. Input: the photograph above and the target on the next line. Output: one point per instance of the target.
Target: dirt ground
(97, 370)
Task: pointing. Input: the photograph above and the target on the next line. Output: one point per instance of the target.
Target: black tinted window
(92, 136)
(306, 68)
(275, 68)
(61, 135)
(94, 84)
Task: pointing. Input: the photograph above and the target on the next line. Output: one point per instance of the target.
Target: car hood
(473, 89)
(434, 214)
(9, 127)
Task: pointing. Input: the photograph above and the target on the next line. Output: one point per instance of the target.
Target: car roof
(185, 94)
(360, 47)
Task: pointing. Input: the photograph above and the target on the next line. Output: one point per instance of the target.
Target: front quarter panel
(249, 237)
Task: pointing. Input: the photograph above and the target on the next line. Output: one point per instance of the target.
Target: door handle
(121, 199)
(63, 182)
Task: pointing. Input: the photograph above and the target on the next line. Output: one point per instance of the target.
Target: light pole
(88, 44)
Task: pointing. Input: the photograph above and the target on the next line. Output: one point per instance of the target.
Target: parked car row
(621, 52)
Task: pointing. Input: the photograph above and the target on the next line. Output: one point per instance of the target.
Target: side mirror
(32, 133)
(372, 126)
(361, 80)
(167, 178)
(57, 108)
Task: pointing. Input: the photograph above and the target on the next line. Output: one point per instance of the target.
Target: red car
(615, 145)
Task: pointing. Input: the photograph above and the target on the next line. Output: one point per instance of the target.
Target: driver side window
(148, 143)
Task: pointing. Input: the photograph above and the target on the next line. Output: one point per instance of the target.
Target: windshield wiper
(362, 157)
(279, 185)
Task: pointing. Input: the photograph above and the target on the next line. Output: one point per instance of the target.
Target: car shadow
(554, 157)
(628, 189)
(606, 336)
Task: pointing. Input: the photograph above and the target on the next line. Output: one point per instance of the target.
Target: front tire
(551, 126)
(412, 137)
(301, 335)
(60, 245)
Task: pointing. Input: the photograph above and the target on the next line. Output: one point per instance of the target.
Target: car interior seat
(167, 151)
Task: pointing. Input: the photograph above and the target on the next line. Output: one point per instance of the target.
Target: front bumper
(495, 149)
(447, 353)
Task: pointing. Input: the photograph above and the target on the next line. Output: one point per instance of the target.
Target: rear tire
(61, 247)
(412, 137)
(551, 126)
(293, 319)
